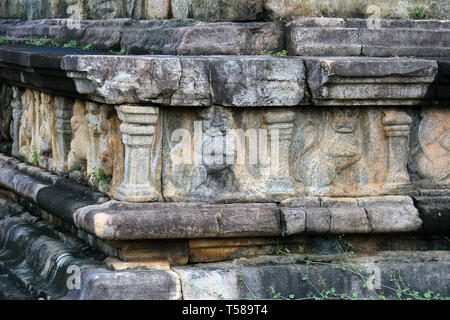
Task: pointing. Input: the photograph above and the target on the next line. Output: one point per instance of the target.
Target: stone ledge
(349, 215)
(29, 255)
(48, 191)
(255, 277)
(184, 36)
(126, 221)
(370, 81)
(353, 37)
(115, 220)
(43, 259)
(305, 37)
(225, 80)
(190, 81)
(228, 81)
(37, 68)
(229, 10)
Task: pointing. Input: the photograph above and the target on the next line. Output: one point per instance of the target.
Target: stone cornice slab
(232, 81)
(164, 220)
(37, 68)
(238, 81)
(253, 81)
(370, 81)
(179, 36)
(376, 38)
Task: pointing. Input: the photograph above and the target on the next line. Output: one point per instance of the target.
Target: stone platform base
(51, 264)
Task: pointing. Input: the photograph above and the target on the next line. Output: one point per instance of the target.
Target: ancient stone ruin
(224, 149)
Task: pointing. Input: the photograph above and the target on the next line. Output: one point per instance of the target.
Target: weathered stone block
(210, 250)
(44, 247)
(293, 220)
(349, 220)
(393, 219)
(188, 37)
(282, 274)
(125, 221)
(374, 81)
(212, 10)
(186, 81)
(318, 220)
(372, 37)
(301, 202)
(370, 9)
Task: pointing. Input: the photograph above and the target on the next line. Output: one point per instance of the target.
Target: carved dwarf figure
(433, 162)
(206, 181)
(79, 152)
(329, 152)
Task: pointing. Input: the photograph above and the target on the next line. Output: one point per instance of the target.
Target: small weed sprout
(99, 178)
(71, 44)
(418, 12)
(281, 53)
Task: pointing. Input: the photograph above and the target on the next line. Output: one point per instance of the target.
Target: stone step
(53, 265)
(302, 37)
(229, 10)
(294, 276)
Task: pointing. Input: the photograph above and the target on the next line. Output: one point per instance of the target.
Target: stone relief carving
(205, 176)
(79, 159)
(110, 150)
(340, 151)
(432, 156)
(45, 122)
(27, 127)
(332, 152)
(330, 159)
(96, 153)
(16, 105)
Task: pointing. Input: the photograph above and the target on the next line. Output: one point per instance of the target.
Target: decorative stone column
(94, 133)
(63, 112)
(16, 105)
(138, 129)
(397, 125)
(280, 128)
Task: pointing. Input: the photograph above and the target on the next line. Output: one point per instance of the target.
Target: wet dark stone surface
(10, 291)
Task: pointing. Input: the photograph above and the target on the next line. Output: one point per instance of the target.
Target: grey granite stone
(293, 220)
(125, 221)
(54, 266)
(370, 81)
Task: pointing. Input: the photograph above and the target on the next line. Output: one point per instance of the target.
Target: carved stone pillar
(138, 130)
(63, 112)
(17, 114)
(280, 128)
(397, 125)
